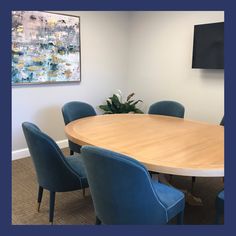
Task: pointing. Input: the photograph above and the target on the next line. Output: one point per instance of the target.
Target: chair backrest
(167, 108)
(75, 110)
(222, 121)
(52, 170)
(121, 189)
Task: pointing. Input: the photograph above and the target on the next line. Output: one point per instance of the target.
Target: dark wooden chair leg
(71, 152)
(98, 222)
(52, 204)
(180, 218)
(193, 182)
(40, 195)
(152, 173)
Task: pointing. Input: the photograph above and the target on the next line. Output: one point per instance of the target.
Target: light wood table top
(163, 144)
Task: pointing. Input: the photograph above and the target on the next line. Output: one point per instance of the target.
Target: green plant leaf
(115, 100)
(104, 107)
(117, 104)
(137, 102)
(138, 111)
(112, 108)
(126, 108)
(130, 96)
(108, 112)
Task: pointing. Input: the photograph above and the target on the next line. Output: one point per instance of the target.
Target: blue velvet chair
(123, 192)
(219, 206)
(55, 172)
(75, 110)
(167, 108)
(222, 121)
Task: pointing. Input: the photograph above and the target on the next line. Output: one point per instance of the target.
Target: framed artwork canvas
(45, 48)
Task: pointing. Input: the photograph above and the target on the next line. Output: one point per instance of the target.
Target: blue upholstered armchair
(55, 173)
(75, 110)
(167, 108)
(123, 192)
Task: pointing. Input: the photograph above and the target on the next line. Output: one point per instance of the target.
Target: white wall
(148, 53)
(160, 60)
(103, 50)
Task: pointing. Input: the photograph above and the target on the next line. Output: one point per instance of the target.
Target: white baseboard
(22, 153)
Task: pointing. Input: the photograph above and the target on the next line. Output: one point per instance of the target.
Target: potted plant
(114, 104)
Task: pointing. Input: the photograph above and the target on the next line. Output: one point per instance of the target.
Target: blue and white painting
(45, 48)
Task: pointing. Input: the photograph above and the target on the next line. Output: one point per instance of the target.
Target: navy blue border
(5, 118)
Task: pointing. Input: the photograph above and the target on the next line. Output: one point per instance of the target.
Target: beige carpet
(73, 208)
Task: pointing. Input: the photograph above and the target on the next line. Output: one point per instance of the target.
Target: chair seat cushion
(76, 163)
(171, 198)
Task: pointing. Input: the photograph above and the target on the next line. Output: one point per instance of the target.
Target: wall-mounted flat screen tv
(208, 46)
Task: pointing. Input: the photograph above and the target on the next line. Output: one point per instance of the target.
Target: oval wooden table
(163, 144)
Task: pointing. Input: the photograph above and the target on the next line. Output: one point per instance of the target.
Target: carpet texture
(71, 208)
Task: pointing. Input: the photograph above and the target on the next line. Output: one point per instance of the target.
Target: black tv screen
(208, 46)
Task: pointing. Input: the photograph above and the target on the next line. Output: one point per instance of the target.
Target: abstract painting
(45, 48)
